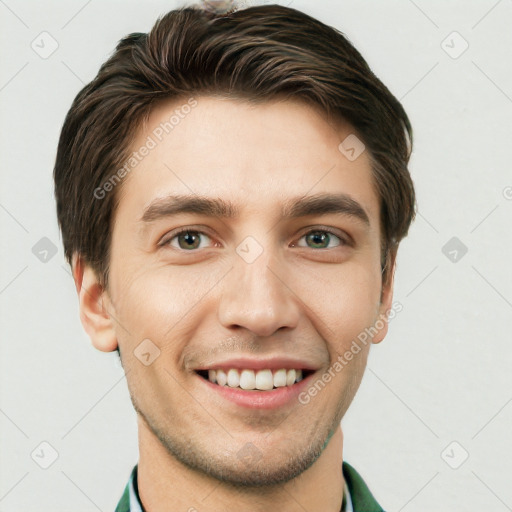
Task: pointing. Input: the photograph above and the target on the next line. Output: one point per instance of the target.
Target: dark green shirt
(359, 495)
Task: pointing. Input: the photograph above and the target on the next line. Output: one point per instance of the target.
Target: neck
(163, 482)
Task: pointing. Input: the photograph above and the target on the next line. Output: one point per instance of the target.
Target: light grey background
(442, 375)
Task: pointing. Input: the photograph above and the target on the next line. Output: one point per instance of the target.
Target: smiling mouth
(250, 380)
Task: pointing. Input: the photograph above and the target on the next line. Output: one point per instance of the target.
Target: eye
(320, 239)
(186, 239)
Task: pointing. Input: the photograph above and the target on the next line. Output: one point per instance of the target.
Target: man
(232, 189)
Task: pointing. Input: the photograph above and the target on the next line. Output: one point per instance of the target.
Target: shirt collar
(135, 504)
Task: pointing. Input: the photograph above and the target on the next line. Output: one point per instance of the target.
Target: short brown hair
(255, 54)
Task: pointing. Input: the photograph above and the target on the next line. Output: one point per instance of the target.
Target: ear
(386, 301)
(95, 306)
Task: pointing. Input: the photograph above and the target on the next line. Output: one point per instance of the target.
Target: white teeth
(233, 378)
(280, 378)
(221, 378)
(247, 379)
(263, 380)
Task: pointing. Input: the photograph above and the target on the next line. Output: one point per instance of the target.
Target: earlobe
(93, 300)
(386, 300)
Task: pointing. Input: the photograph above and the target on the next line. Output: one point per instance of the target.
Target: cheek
(160, 303)
(344, 300)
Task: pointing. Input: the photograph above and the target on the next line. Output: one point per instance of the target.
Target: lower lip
(271, 399)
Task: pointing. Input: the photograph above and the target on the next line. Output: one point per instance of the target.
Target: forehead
(256, 156)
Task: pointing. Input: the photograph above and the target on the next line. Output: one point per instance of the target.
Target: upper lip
(246, 363)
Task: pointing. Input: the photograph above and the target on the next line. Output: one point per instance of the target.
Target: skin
(200, 304)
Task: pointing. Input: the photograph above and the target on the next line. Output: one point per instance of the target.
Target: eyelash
(344, 241)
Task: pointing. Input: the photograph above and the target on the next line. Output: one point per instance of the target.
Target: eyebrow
(320, 204)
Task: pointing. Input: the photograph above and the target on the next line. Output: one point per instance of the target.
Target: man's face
(261, 289)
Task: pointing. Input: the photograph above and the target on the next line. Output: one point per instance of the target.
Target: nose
(259, 296)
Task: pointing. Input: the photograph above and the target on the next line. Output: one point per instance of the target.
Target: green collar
(362, 498)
